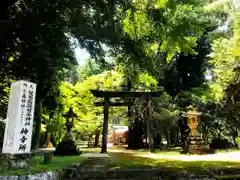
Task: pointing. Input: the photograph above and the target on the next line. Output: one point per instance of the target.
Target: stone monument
(16, 150)
(195, 143)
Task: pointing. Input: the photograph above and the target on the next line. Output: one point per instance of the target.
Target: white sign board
(19, 124)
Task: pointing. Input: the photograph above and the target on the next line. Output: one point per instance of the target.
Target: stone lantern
(70, 115)
(68, 146)
(193, 120)
(195, 142)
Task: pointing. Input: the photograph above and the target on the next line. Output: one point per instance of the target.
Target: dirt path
(224, 156)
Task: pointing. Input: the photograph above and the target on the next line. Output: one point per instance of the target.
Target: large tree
(225, 83)
(166, 38)
(35, 38)
(35, 42)
(35, 47)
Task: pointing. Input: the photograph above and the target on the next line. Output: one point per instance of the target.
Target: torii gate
(123, 94)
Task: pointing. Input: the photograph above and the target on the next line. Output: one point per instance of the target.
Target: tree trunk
(238, 135)
(158, 142)
(167, 138)
(149, 122)
(36, 136)
(105, 125)
(97, 135)
(135, 135)
(90, 141)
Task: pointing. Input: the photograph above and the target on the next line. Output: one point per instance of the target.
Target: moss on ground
(37, 165)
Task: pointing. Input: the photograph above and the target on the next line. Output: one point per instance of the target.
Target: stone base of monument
(15, 161)
(196, 146)
(67, 148)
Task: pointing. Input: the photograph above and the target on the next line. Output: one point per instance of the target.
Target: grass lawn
(132, 159)
(138, 159)
(169, 162)
(37, 166)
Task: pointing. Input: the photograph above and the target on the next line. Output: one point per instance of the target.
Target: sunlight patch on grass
(234, 157)
(91, 150)
(173, 165)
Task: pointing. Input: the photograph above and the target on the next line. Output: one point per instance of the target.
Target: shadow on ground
(166, 163)
(217, 169)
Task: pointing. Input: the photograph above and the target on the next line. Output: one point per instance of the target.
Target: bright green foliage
(166, 26)
(145, 82)
(166, 119)
(236, 38)
(80, 98)
(163, 33)
(225, 83)
(56, 126)
(36, 41)
(225, 59)
(144, 36)
(90, 68)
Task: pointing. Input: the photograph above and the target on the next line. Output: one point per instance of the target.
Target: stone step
(110, 179)
(226, 173)
(228, 177)
(150, 178)
(141, 174)
(221, 171)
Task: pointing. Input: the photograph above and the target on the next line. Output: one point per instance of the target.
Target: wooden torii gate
(106, 103)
